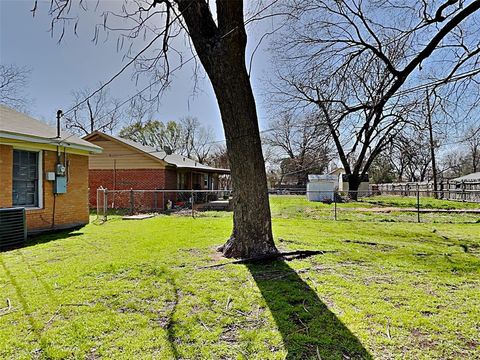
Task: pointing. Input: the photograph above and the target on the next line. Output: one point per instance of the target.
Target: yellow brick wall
(6, 169)
(71, 208)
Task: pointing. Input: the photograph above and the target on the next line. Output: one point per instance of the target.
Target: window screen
(25, 178)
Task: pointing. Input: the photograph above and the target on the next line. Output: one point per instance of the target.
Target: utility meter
(60, 184)
(60, 170)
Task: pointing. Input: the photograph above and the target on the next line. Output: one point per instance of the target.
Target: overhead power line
(438, 82)
(162, 33)
(148, 87)
(155, 38)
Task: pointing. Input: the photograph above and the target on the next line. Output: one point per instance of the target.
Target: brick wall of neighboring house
(136, 179)
(171, 179)
(6, 169)
(71, 208)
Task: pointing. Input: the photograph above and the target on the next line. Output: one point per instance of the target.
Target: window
(25, 190)
(181, 181)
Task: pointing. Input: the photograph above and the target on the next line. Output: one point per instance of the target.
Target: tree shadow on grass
(44, 237)
(53, 235)
(308, 328)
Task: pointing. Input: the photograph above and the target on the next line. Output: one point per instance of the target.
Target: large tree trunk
(221, 50)
(353, 185)
(432, 147)
(252, 234)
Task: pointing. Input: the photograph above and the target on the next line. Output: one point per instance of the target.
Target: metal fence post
(193, 201)
(418, 204)
(98, 203)
(105, 204)
(131, 202)
(335, 205)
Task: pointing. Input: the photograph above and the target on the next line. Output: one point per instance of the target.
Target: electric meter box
(50, 176)
(60, 170)
(60, 185)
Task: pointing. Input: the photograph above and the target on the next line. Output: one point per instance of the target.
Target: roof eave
(111, 138)
(212, 170)
(151, 155)
(51, 141)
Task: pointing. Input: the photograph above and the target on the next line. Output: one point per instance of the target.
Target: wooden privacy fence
(466, 190)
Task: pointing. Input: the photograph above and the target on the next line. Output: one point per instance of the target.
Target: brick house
(125, 165)
(46, 175)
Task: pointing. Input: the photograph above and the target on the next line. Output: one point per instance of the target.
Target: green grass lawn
(294, 206)
(411, 202)
(140, 290)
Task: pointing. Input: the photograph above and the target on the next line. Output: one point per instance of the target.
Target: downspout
(114, 180)
(114, 174)
(59, 115)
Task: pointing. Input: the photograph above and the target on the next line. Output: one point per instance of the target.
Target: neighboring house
(473, 177)
(464, 188)
(125, 165)
(45, 174)
(343, 181)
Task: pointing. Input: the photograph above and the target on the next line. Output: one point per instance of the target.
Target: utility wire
(248, 20)
(438, 82)
(143, 90)
(406, 91)
(167, 26)
(400, 93)
(155, 38)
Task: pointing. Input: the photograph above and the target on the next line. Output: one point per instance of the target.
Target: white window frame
(40, 177)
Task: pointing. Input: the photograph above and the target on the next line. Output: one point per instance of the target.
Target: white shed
(321, 187)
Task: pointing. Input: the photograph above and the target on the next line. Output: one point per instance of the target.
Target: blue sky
(77, 63)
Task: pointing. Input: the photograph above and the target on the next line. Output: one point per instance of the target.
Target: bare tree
(218, 158)
(301, 146)
(454, 164)
(197, 140)
(472, 139)
(382, 169)
(220, 44)
(407, 158)
(350, 60)
(13, 80)
(445, 109)
(429, 109)
(139, 110)
(462, 156)
(415, 150)
(99, 112)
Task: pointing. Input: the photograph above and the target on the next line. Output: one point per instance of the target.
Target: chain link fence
(406, 205)
(133, 202)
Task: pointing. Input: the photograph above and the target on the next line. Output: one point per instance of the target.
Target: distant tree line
(391, 84)
(187, 137)
(409, 159)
